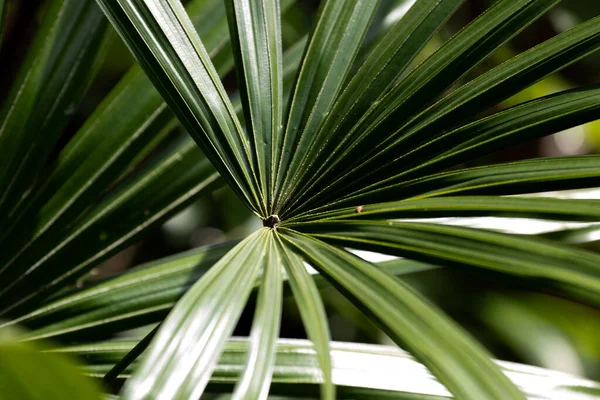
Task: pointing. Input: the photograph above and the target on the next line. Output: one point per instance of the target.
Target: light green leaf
(312, 312)
(256, 380)
(28, 373)
(186, 348)
(450, 354)
(361, 371)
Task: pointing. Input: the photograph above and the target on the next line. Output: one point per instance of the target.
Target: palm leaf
(363, 141)
(462, 366)
(197, 328)
(559, 267)
(56, 375)
(182, 72)
(328, 58)
(59, 67)
(360, 371)
(463, 52)
(256, 30)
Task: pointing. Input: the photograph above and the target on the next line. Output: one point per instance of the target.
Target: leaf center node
(272, 221)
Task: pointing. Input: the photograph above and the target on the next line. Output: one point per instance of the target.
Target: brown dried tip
(272, 221)
(359, 209)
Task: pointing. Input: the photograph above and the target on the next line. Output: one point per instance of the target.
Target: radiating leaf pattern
(337, 147)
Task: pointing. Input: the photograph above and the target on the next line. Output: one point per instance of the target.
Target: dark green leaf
(503, 20)
(146, 200)
(59, 67)
(163, 39)
(380, 69)
(537, 207)
(332, 47)
(528, 176)
(554, 266)
(256, 32)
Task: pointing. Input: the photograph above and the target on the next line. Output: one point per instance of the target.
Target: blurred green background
(514, 322)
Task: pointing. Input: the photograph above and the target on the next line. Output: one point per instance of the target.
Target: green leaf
(553, 266)
(451, 355)
(141, 296)
(456, 206)
(163, 39)
(502, 82)
(491, 88)
(59, 67)
(110, 378)
(144, 201)
(147, 293)
(186, 348)
(255, 27)
(100, 152)
(3, 18)
(332, 47)
(361, 371)
(256, 380)
(502, 21)
(533, 119)
(28, 373)
(129, 122)
(379, 70)
(312, 312)
(528, 176)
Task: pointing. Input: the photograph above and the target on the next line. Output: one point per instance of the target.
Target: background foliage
(98, 178)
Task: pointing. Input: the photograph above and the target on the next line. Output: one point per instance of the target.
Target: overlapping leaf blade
(456, 206)
(270, 174)
(560, 268)
(179, 177)
(528, 176)
(503, 20)
(165, 43)
(255, 27)
(101, 150)
(144, 201)
(360, 371)
(312, 312)
(379, 70)
(139, 297)
(59, 67)
(460, 364)
(147, 294)
(332, 47)
(256, 379)
(526, 121)
(184, 352)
